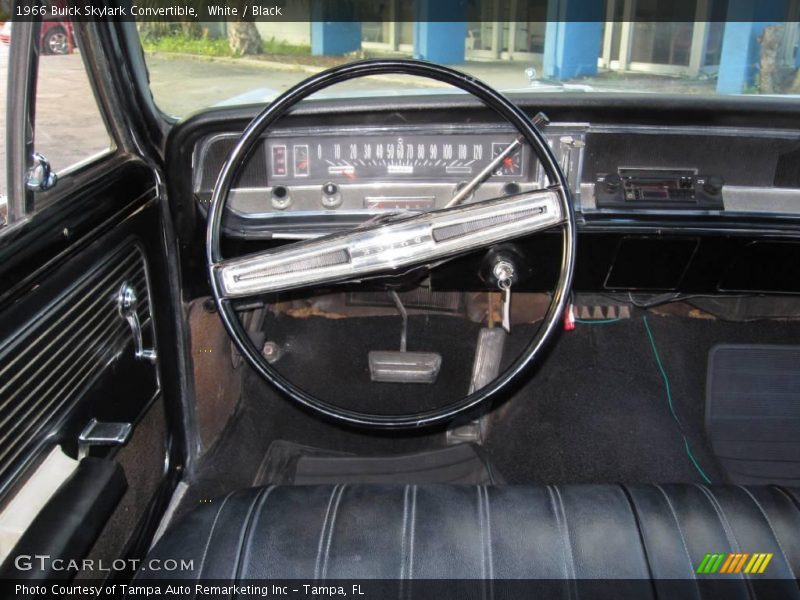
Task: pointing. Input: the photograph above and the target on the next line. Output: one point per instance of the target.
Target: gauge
(301, 163)
(279, 160)
(450, 157)
(511, 165)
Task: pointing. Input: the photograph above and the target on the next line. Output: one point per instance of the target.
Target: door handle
(126, 303)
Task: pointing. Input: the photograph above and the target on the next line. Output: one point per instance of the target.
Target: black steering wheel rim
(280, 107)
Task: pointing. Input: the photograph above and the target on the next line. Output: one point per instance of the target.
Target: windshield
(195, 65)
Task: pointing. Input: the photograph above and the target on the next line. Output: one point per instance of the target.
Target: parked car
(57, 37)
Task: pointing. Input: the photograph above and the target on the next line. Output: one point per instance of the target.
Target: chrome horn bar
(388, 247)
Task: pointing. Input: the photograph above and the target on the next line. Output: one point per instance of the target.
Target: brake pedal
(396, 366)
(401, 366)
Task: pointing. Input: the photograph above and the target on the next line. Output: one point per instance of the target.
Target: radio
(658, 188)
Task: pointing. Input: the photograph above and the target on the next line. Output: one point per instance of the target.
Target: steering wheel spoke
(423, 239)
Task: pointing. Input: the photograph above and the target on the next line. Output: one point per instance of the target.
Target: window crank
(126, 303)
(504, 273)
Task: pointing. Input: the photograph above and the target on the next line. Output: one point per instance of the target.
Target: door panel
(67, 354)
(67, 351)
(61, 366)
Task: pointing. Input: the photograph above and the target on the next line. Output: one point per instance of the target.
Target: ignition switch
(504, 267)
(504, 262)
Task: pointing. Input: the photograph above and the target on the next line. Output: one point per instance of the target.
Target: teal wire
(669, 399)
(694, 460)
(661, 368)
(666, 385)
(596, 322)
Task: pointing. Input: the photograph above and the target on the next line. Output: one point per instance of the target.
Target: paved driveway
(184, 85)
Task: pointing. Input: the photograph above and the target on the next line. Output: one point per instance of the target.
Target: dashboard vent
(54, 358)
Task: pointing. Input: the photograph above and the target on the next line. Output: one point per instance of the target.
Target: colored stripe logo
(734, 562)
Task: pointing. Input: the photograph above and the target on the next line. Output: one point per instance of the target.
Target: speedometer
(447, 157)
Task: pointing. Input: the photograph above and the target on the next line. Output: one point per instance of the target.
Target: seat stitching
(413, 531)
(569, 565)
(561, 533)
(489, 532)
(411, 538)
(330, 531)
(771, 528)
(321, 544)
(483, 538)
(489, 542)
(726, 527)
(566, 531)
(674, 514)
(244, 532)
(404, 538)
(251, 527)
(789, 497)
(210, 535)
(573, 590)
(639, 533)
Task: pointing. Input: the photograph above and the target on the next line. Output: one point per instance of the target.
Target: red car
(57, 36)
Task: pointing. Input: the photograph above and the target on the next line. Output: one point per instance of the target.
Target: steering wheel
(393, 246)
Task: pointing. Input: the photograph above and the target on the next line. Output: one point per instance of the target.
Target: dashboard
(670, 194)
(306, 180)
(300, 182)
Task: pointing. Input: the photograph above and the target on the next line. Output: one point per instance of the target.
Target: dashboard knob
(331, 197)
(613, 182)
(713, 185)
(280, 197)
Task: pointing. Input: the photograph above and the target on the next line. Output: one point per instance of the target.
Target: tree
(244, 38)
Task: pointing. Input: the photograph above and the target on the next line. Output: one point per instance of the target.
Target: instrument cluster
(302, 183)
(350, 159)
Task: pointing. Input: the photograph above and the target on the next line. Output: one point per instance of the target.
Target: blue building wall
(439, 41)
(333, 32)
(739, 60)
(573, 38)
(334, 38)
